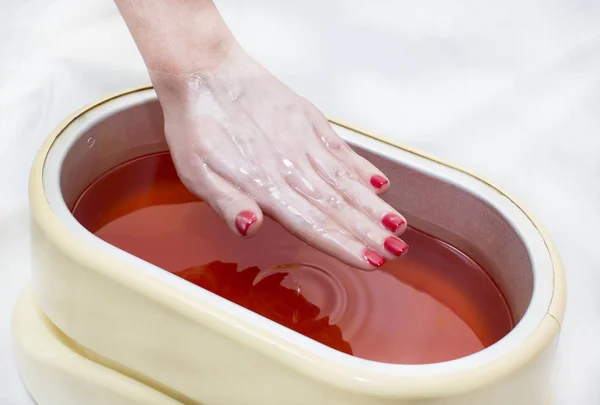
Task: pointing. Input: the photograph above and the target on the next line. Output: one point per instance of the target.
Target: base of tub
(56, 374)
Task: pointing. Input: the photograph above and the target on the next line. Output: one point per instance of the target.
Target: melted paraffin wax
(434, 304)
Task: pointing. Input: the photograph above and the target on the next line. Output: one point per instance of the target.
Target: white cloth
(509, 89)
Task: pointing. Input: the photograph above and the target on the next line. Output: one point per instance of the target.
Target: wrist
(178, 37)
(228, 65)
(175, 92)
(199, 55)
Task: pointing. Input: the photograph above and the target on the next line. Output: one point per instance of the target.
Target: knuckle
(338, 175)
(320, 233)
(332, 142)
(332, 203)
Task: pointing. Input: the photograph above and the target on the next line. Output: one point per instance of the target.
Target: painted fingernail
(243, 221)
(392, 222)
(378, 181)
(395, 246)
(374, 258)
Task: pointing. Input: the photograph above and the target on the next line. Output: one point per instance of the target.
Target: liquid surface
(435, 304)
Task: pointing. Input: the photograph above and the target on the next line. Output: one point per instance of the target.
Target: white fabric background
(510, 89)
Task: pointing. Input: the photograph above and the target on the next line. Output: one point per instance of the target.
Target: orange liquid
(435, 304)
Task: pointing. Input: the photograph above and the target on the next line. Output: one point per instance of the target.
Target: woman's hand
(246, 144)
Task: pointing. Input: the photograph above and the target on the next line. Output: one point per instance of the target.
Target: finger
(241, 213)
(311, 225)
(317, 192)
(356, 193)
(366, 172)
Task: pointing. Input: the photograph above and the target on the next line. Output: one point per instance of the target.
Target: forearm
(178, 37)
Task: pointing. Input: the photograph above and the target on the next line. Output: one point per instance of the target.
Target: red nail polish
(392, 222)
(243, 221)
(395, 246)
(378, 181)
(374, 258)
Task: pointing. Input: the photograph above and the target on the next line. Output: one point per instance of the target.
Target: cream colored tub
(100, 326)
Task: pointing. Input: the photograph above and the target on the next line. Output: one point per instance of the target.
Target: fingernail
(392, 222)
(378, 181)
(374, 258)
(395, 246)
(243, 221)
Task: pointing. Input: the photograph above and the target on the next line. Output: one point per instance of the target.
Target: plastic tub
(125, 318)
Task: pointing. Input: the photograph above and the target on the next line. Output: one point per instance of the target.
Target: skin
(248, 145)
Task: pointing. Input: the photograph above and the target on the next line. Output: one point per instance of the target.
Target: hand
(247, 145)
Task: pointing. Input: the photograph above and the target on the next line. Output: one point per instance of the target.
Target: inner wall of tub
(437, 207)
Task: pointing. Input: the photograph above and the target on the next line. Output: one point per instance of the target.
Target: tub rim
(360, 380)
(34, 337)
